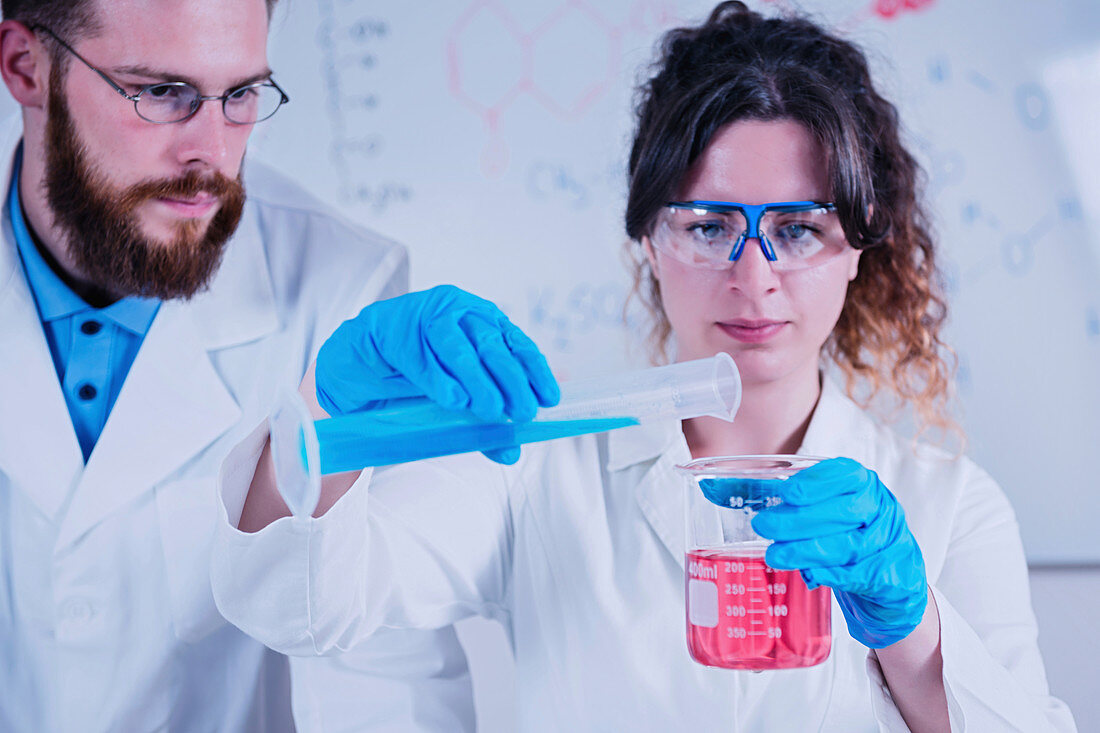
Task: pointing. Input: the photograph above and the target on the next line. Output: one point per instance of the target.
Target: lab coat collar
(239, 305)
(38, 447)
(659, 492)
(10, 267)
(172, 405)
(838, 427)
(637, 444)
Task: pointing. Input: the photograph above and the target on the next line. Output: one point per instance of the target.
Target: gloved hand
(457, 349)
(841, 527)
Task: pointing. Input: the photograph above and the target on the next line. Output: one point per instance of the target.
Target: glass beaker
(741, 613)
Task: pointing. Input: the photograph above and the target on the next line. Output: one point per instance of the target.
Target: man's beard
(103, 233)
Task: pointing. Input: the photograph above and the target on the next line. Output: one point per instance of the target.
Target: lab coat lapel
(39, 452)
(174, 403)
(660, 491)
(839, 427)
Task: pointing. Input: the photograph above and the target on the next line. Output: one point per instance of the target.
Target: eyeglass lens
(175, 101)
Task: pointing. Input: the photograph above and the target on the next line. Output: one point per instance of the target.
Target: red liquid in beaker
(742, 614)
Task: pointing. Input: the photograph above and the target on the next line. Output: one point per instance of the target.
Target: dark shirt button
(90, 328)
(86, 392)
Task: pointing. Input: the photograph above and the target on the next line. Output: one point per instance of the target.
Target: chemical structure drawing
(1032, 106)
(1027, 103)
(963, 379)
(1017, 250)
(1031, 102)
(554, 180)
(351, 45)
(890, 9)
(883, 10)
(493, 60)
(565, 316)
(1092, 323)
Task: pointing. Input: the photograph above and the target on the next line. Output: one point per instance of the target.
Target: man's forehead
(201, 11)
(195, 36)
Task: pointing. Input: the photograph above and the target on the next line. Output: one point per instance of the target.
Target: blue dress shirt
(92, 348)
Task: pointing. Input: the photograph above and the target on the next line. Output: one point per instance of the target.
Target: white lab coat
(578, 550)
(107, 621)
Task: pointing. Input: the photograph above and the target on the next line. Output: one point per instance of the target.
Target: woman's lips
(752, 331)
(191, 207)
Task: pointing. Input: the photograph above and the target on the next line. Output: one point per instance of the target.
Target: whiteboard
(490, 137)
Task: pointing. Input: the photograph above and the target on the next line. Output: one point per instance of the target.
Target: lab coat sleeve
(992, 670)
(408, 680)
(261, 581)
(401, 680)
(420, 545)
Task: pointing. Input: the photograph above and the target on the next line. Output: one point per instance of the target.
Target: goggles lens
(715, 239)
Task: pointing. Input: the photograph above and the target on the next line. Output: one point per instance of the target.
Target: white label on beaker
(702, 603)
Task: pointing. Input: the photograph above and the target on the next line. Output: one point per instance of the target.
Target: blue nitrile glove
(457, 349)
(841, 527)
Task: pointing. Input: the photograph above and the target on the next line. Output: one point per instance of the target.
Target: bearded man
(150, 311)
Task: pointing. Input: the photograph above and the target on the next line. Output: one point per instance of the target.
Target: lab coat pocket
(187, 512)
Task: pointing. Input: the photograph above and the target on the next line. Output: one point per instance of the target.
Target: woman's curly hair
(741, 65)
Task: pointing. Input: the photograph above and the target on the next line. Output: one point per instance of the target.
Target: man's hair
(69, 19)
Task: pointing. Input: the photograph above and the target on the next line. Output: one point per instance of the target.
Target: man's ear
(24, 64)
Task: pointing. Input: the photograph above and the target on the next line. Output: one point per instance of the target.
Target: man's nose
(203, 138)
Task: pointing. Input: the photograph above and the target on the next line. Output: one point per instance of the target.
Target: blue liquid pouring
(400, 435)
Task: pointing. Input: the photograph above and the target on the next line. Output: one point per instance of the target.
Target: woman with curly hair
(774, 215)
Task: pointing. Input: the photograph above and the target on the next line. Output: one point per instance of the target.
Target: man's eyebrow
(164, 76)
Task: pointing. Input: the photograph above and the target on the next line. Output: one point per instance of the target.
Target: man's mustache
(187, 186)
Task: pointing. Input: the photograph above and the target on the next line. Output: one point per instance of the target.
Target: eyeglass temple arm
(70, 49)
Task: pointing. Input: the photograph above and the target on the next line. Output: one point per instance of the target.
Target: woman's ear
(853, 270)
(651, 257)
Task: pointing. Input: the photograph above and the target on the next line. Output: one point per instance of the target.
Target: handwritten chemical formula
(353, 44)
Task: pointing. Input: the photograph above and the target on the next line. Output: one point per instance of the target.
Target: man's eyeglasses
(793, 235)
(176, 101)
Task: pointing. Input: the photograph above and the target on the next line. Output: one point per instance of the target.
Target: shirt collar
(54, 298)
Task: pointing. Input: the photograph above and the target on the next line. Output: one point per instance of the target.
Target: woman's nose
(752, 272)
